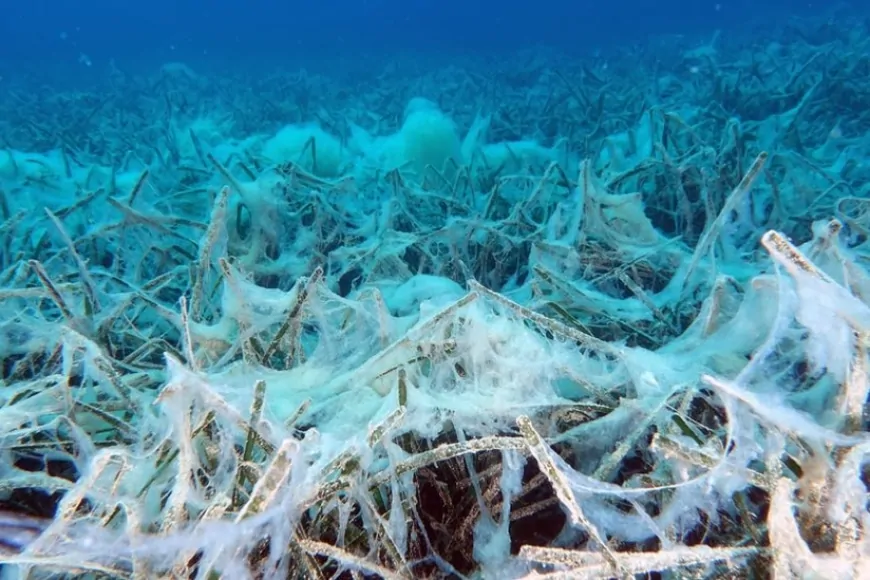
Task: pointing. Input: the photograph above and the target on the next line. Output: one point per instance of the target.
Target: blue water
(48, 37)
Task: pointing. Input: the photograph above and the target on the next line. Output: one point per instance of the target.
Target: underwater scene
(380, 291)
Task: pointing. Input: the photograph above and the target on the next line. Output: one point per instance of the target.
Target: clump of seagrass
(572, 361)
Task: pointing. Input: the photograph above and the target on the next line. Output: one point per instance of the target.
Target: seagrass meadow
(534, 316)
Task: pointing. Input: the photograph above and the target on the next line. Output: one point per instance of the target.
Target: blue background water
(271, 33)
